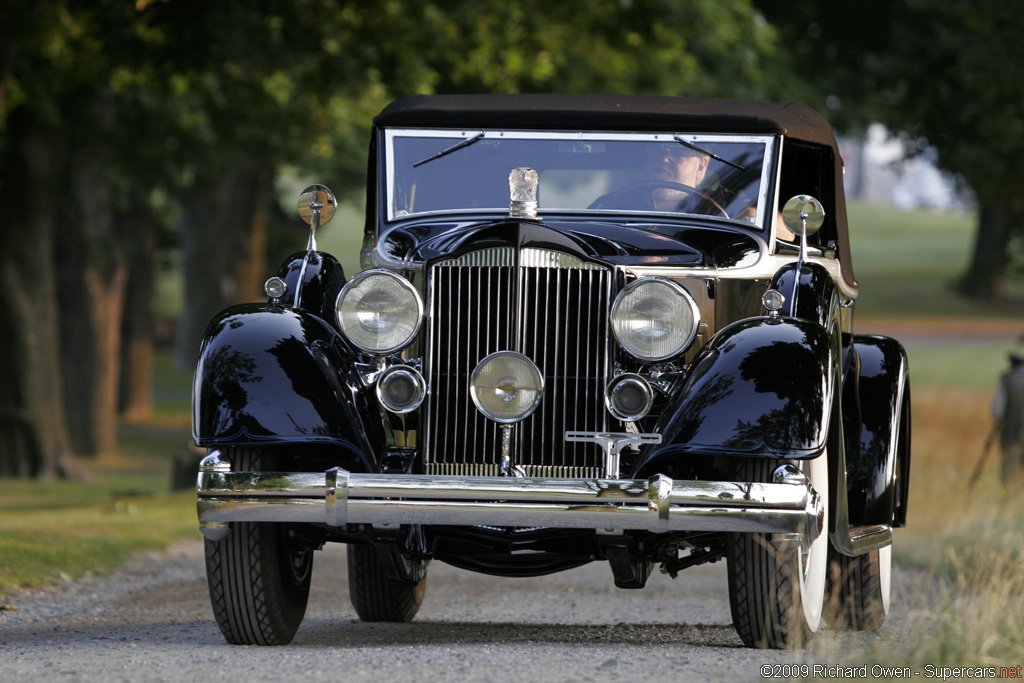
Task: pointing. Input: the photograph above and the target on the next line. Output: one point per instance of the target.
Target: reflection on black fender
(762, 387)
(269, 374)
(875, 424)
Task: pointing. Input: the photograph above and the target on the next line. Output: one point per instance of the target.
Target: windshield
(723, 176)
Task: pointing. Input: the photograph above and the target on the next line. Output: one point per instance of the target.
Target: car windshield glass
(722, 176)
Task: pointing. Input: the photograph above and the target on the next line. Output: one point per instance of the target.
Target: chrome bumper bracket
(612, 444)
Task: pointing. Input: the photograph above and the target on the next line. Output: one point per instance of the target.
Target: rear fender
(275, 375)
(877, 428)
(761, 387)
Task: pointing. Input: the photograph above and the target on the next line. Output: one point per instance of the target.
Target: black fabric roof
(609, 112)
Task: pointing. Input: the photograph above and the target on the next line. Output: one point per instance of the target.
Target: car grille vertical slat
(550, 306)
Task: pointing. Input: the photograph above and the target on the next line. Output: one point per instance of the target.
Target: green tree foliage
(111, 111)
(948, 74)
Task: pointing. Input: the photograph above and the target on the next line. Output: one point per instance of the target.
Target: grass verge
(63, 535)
(61, 530)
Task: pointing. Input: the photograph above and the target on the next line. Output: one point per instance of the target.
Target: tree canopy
(947, 74)
(126, 124)
(123, 122)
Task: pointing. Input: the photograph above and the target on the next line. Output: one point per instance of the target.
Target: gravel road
(152, 622)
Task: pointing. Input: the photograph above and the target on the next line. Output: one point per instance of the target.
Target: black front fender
(761, 387)
(274, 375)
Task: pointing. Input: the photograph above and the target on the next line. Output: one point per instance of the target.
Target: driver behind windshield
(674, 164)
(670, 176)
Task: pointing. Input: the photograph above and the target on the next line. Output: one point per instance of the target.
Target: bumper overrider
(788, 505)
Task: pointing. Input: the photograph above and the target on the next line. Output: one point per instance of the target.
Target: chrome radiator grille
(550, 306)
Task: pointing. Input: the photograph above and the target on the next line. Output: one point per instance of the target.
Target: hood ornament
(522, 188)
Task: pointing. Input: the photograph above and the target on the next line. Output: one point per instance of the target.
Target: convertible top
(609, 112)
(640, 113)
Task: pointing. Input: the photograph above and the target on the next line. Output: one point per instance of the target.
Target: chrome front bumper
(788, 505)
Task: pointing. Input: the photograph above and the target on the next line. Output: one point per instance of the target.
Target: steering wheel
(615, 197)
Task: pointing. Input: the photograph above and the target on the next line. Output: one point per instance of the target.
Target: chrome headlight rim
(474, 388)
(414, 300)
(616, 385)
(676, 289)
(388, 375)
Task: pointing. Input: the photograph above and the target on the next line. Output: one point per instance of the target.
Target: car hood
(623, 244)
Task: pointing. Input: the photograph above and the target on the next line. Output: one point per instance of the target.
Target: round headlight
(506, 386)
(654, 318)
(379, 312)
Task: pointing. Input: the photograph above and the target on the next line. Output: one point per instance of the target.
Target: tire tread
(374, 596)
(855, 591)
(251, 601)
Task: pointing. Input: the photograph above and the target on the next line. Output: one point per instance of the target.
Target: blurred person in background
(1008, 413)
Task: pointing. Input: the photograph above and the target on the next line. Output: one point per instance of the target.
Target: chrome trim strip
(657, 504)
(764, 269)
(302, 278)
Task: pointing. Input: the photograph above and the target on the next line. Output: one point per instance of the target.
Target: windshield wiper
(457, 146)
(695, 148)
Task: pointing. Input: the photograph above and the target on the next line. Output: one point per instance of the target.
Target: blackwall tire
(777, 591)
(859, 590)
(259, 584)
(374, 596)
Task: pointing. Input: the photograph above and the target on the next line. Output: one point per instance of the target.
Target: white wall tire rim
(814, 565)
(885, 575)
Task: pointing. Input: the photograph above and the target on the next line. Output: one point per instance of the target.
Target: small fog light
(401, 389)
(275, 287)
(773, 300)
(629, 397)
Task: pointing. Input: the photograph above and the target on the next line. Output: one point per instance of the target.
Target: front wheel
(258, 575)
(777, 589)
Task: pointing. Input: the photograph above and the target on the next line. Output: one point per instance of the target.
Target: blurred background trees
(947, 74)
(128, 126)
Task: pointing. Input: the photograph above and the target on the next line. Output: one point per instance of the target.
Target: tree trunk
(93, 275)
(998, 222)
(32, 424)
(135, 392)
(223, 236)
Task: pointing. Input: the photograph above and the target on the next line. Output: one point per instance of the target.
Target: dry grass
(963, 549)
(946, 518)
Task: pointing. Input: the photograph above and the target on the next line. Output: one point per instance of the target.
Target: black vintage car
(588, 328)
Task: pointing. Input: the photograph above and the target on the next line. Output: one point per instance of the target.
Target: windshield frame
(461, 139)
